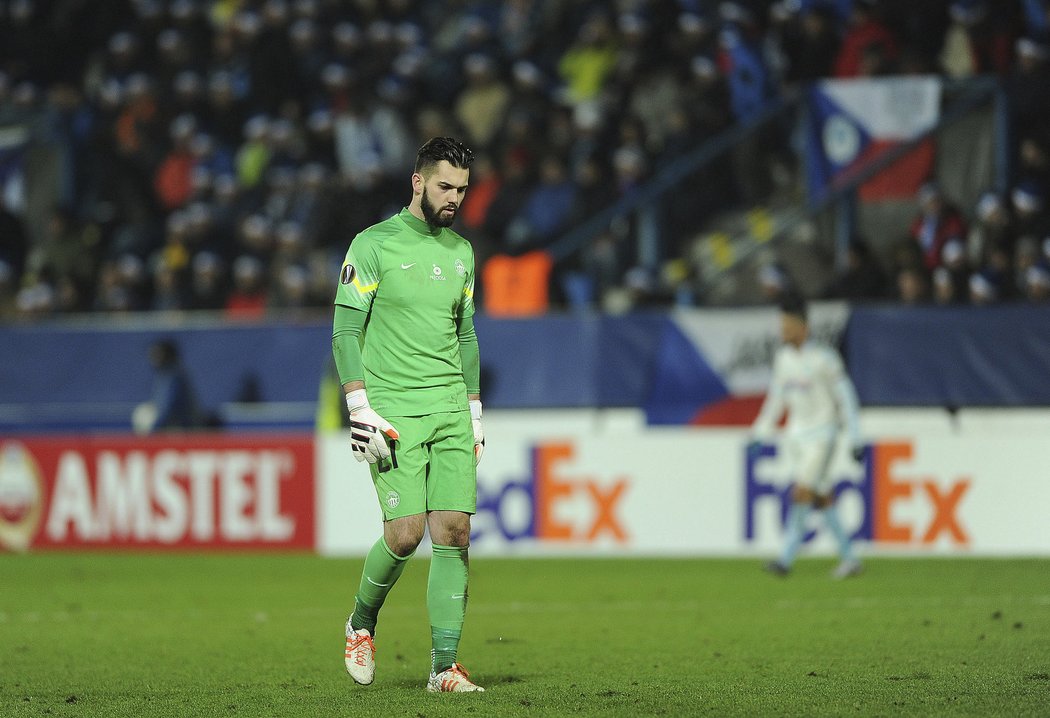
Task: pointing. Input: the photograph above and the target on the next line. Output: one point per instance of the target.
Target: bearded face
(437, 217)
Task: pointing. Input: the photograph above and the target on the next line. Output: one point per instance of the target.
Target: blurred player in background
(173, 401)
(404, 333)
(811, 384)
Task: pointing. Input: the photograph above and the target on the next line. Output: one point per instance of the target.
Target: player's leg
(811, 459)
(400, 487)
(848, 563)
(825, 503)
(795, 528)
(383, 566)
(447, 591)
(451, 499)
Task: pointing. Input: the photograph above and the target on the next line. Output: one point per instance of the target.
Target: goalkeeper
(407, 355)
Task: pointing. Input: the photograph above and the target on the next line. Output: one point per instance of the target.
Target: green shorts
(433, 467)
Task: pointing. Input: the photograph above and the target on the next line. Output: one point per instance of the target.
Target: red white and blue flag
(853, 122)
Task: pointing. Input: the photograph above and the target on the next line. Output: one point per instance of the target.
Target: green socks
(446, 603)
(382, 569)
(446, 596)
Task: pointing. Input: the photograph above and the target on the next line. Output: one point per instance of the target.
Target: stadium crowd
(220, 154)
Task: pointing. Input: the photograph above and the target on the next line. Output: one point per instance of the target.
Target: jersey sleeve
(360, 274)
(845, 395)
(773, 406)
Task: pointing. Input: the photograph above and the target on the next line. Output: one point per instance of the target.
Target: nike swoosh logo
(381, 585)
(408, 266)
(458, 595)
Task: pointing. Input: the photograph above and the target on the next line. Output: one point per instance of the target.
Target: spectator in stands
(169, 293)
(207, 282)
(172, 181)
(938, 221)
(67, 253)
(547, 208)
(809, 41)
(998, 270)
(993, 224)
(862, 279)
(978, 41)
(944, 290)
(248, 298)
(1037, 284)
(1033, 158)
(775, 282)
(1027, 86)
(1026, 255)
(588, 63)
(913, 286)
(509, 198)
(1030, 214)
(983, 290)
(480, 108)
(485, 183)
(14, 242)
(867, 45)
(955, 270)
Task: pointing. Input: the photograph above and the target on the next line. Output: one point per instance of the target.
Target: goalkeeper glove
(367, 429)
(479, 434)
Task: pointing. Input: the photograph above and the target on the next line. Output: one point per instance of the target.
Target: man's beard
(432, 214)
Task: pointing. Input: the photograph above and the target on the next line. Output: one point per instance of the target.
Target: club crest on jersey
(437, 275)
(460, 268)
(393, 499)
(347, 274)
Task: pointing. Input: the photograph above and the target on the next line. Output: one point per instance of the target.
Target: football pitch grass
(262, 635)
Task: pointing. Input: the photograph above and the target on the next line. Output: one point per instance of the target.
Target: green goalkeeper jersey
(415, 284)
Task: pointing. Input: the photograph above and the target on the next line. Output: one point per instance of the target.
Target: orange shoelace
(448, 684)
(353, 644)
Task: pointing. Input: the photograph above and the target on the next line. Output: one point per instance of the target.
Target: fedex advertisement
(880, 500)
(605, 483)
(172, 492)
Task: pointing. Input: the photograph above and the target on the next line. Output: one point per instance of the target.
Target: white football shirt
(811, 383)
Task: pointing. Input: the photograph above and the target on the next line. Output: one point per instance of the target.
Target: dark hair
(165, 352)
(443, 148)
(794, 304)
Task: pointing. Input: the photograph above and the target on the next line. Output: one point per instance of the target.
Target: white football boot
(360, 655)
(847, 569)
(452, 680)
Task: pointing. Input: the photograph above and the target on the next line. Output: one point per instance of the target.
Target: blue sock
(831, 518)
(796, 521)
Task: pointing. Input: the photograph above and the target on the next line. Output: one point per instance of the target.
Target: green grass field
(219, 635)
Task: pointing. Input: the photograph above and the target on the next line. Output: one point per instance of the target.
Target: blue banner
(973, 356)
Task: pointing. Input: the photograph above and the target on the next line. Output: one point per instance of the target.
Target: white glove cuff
(356, 400)
(475, 409)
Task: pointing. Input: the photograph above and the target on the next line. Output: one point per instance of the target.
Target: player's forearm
(470, 357)
(346, 348)
(772, 409)
(849, 407)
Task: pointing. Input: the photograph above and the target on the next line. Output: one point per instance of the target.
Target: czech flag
(853, 122)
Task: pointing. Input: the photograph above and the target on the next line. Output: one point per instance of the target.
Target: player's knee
(403, 536)
(452, 531)
(458, 535)
(404, 544)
